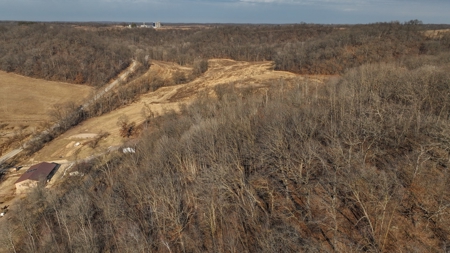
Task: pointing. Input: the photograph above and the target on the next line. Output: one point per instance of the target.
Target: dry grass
(436, 34)
(165, 99)
(25, 102)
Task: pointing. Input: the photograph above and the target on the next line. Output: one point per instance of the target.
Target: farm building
(36, 173)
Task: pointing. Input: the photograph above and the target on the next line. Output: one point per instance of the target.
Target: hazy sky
(228, 11)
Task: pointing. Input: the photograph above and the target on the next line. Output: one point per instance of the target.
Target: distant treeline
(66, 53)
(358, 164)
(60, 52)
(303, 48)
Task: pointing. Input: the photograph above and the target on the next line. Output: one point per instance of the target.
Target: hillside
(257, 76)
(26, 104)
(354, 164)
(233, 155)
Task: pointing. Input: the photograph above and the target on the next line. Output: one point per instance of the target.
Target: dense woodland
(60, 52)
(69, 53)
(358, 164)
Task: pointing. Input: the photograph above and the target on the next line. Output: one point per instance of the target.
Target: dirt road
(10, 154)
(110, 86)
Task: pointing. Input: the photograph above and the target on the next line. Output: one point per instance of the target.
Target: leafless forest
(357, 164)
(66, 53)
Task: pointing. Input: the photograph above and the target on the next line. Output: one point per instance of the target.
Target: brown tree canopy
(63, 52)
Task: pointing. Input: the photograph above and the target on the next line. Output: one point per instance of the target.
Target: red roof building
(39, 172)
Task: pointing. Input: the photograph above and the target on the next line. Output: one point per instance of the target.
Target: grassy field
(25, 102)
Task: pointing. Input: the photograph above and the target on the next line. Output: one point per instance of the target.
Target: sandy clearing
(83, 136)
(72, 143)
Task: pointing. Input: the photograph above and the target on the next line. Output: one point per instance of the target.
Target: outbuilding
(41, 172)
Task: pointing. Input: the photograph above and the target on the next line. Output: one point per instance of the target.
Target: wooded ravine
(359, 163)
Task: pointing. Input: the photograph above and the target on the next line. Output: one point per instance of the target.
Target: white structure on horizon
(156, 25)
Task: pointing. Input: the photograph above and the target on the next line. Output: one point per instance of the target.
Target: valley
(234, 138)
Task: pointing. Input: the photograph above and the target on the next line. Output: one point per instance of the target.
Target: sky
(229, 11)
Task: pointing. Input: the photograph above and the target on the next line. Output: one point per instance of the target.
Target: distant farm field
(436, 34)
(25, 102)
